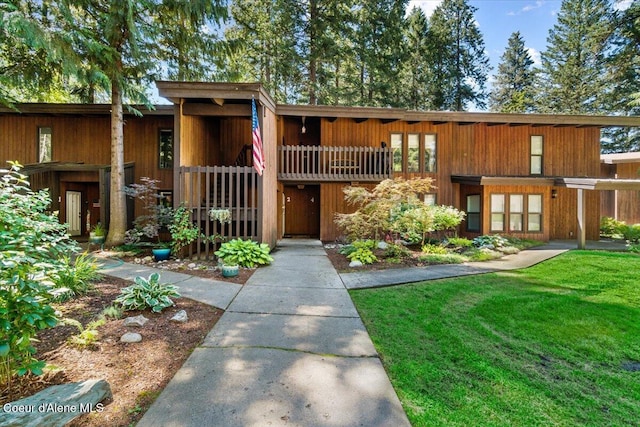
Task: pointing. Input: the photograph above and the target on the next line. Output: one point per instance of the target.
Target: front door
(302, 211)
(73, 207)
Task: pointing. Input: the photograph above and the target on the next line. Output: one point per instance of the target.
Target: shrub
(247, 253)
(610, 227)
(147, 293)
(434, 249)
(495, 240)
(446, 258)
(458, 242)
(32, 244)
(363, 251)
(75, 278)
(396, 251)
(183, 231)
(631, 233)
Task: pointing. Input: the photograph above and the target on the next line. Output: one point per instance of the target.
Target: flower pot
(230, 270)
(96, 239)
(161, 254)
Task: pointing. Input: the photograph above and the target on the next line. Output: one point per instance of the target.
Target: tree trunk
(118, 206)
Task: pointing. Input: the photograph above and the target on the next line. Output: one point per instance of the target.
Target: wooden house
(520, 174)
(621, 204)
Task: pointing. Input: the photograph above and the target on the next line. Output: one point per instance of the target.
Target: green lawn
(542, 346)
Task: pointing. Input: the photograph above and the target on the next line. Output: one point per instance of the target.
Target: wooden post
(581, 220)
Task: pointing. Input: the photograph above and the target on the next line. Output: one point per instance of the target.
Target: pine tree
(513, 89)
(624, 70)
(415, 71)
(459, 65)
(573, 74)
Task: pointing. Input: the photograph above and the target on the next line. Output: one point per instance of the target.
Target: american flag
(258, 156)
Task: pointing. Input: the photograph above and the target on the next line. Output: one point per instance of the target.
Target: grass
(544, 346)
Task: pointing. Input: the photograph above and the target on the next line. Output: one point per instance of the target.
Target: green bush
(396, 251)
(459, 242)
(147, 293)
(363, 251)
(631, 233)
(76, 277)
(32, 245)
(246, 253)
(183, 231)
(495, 240)
(434, 249)
(446, 258)
(610, 227)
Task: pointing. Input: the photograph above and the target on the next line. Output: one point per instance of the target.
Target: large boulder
(56, 405)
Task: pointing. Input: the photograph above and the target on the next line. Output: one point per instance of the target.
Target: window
(534, 212)
(396, 147)
(44, 144)
(473, 212)
(516, 211)
(429, 153)
(430, 199)
(413, 153)
(165, 150)
(536, 154)
(497, 212)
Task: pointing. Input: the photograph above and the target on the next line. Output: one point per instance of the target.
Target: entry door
(302, 211)
(73, 206)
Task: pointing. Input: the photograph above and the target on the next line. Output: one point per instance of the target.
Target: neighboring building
(621, 204)
(518, 174)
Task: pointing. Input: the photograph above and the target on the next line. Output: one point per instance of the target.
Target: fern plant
(147, 293)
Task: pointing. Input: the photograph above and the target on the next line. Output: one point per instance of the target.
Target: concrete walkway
(290, 349)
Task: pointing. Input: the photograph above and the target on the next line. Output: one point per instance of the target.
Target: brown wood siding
(564, 221)
(332, 202)
(623, 205)
(87, 140)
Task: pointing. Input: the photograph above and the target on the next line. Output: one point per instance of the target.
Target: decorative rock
(382, 245)
(180, 317)
(192, 265)
(139, 320)
(56, 405)
(131, 337)
(354, 264)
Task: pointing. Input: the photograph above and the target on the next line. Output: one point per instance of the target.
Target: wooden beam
(582, 219)
(233, 110)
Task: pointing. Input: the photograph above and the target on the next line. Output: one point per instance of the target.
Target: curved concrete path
(290, 349)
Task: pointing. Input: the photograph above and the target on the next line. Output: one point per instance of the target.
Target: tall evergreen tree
(415, 70)
(459, 65)
(513, 89)
(573, 73)
(624, 70)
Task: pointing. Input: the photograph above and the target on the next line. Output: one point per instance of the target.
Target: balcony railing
(316, 163)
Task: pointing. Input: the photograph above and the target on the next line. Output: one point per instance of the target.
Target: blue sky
(498, 19)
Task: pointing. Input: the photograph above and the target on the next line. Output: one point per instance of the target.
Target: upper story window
(165, 148)
(44, 144)
(416, 154)
(429, 152)
(396, 147)
(413, 153)
(536, 154)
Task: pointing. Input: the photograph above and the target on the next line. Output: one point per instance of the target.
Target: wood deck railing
(317, 163)
(234, 188)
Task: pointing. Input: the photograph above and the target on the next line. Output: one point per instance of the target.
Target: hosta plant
(147, 293)
(247, 253)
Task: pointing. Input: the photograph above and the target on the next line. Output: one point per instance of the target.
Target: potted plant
(97, 235)
(230, 267)
(161, 252)
(183, 231)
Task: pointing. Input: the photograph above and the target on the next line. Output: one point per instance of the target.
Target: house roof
(82, 109)
(568, 182)
(611, 159)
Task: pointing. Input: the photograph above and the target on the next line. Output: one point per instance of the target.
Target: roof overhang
(84, 109)
(35, 168)
(216, 94)
(502, 180)
(598, 183)
(616, 158)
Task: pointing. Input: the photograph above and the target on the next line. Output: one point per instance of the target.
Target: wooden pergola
(597, 184)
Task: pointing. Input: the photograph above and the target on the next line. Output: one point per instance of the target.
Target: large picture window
(523, 212)
(44, 144)
(165, 148)
(536, 154)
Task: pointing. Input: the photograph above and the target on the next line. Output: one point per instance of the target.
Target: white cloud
(528, 8)
(427, 6)
(622, 4)
(535, 56)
